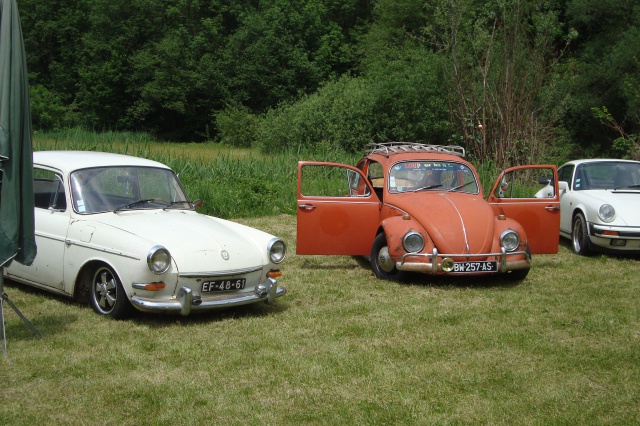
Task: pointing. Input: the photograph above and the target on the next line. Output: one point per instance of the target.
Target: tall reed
(231, 182)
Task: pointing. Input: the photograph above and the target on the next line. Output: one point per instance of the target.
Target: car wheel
(107, 295)
(579, 235)
(383, 266)
(517, 275)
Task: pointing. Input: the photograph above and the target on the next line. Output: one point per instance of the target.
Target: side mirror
(197, 204)
(562, 186)
(544, 180)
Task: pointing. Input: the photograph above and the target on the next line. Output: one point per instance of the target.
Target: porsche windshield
(411, 176)
(607, 175)
(121, 188)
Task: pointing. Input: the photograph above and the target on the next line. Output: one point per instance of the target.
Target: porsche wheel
(383, 266)
(106, 294)
(580, 236)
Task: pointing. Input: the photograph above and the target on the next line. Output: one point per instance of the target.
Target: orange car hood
(457, 223)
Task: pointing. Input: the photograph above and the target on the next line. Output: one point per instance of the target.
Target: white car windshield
(103, 189)
(607, 175)
(409, 176)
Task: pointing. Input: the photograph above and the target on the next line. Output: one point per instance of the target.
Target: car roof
(600, 160)
(403, 151)
(68, 161)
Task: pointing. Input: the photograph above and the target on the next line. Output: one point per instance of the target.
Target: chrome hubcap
(384, 260)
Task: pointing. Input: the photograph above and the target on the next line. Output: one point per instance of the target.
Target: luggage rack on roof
(390, 148)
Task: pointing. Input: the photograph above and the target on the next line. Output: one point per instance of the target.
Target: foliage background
(546, 79)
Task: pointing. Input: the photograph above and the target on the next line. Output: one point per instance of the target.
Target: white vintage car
(600, 205)
(120, 232)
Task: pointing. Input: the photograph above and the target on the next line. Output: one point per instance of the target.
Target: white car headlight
(158, 260)
(413, 242)
(510, 240)
(607, 213)
(277, 250)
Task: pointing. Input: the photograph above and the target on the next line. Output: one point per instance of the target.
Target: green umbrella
(17, 223)
(17, 240)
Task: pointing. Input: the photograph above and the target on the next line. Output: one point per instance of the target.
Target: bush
(403, 100)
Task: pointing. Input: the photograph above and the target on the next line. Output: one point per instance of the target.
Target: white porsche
(120, 232)
(600, 205)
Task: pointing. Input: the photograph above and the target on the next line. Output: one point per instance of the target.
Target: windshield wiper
(427, 187)
(134, 203)
(460, 186)
(628, 187)
(173, 203)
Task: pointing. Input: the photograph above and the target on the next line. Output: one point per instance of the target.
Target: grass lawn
(561, 347)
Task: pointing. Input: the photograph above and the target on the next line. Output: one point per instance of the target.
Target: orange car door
(529, 195)
(338, 212)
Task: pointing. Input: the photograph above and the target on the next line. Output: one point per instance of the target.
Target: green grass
(342, 347)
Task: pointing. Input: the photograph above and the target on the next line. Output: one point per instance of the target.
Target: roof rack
(390, 148)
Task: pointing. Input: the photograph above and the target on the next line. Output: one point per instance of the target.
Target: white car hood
(625, 202)
(197, 243)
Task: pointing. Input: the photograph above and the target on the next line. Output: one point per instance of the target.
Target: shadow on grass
(254, 310)
(449, 281)
(58, 322)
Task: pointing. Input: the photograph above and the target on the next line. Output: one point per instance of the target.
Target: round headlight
(277, 250)
(510, 240)
(158, 260)
(606, 213)
(413, 242)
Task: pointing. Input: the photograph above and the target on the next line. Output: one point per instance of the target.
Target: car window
(110, 188)
(607, 175)
(410, 176)
(526, 183)
(48, 190)
(332, 181)
(565, 173)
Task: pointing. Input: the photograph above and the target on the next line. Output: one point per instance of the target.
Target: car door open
(337, 210)
(529, 195)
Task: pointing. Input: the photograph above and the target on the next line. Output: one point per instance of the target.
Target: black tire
(580, 236)
(106, 294)
(517, 275)
(383, 266)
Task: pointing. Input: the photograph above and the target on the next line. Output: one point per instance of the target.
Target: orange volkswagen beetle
(420, 208)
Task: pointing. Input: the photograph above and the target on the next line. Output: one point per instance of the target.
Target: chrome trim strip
(464, 230)
(227, 273)
(92, 247)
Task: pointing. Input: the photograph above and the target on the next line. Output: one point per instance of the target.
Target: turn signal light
(274, 274)
(154, 286)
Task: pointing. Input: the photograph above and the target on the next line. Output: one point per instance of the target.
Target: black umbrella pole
(5, 298)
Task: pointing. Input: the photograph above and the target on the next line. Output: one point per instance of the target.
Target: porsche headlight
(277, 250)
(510, 240)
(413, 242)
(607, 213)
(158, 260)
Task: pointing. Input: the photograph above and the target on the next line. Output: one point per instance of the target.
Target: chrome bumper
(188, 301)
(433, 264)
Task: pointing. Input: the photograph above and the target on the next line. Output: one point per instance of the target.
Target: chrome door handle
(307, 207)
(552, 208)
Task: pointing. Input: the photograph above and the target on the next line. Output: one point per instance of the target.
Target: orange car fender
(502, 224)
(396, 227)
